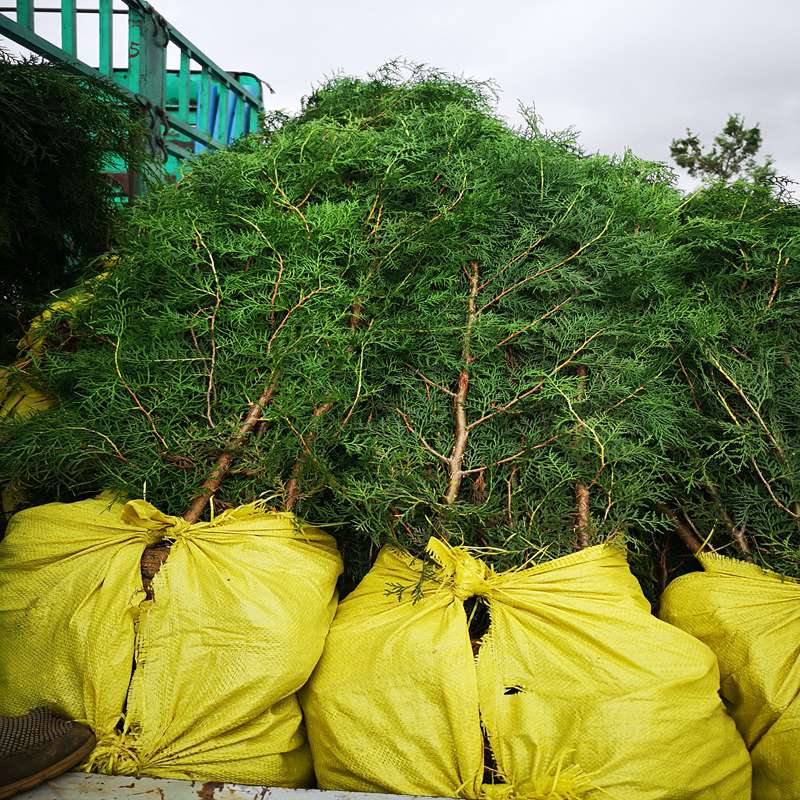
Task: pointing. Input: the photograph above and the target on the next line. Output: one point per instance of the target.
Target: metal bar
(32, 41)
(106, 37)
(222, 113)
(204, 60)
(184, 85)
(238, 119)
(189, 130)
(69, 27)
(135, 25)
(58, 10)
(25, 13)
(204, 103)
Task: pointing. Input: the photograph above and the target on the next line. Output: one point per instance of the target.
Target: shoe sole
(54, 770)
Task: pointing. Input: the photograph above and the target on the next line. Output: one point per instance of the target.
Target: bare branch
(772, 494)
(358, 388)
(582, 519)
(434, 385)
(752, 408)
(538, 387)
(303, 299)
(553, 310)
(505, 460)
(776, 281)
(211, 326)
(461, 432)
(117, 451)
(421, 438)
(136, 400)
(684, 532)
(285, 201)
(211, 484)
(736, 532)
(292, 495)
(529, 278)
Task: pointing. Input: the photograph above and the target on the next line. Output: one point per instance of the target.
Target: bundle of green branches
(57, 131)
(740, 484)
(396, 314)
(523, 399)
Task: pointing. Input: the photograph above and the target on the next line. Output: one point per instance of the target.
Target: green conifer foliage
(740, 483)
(454, 329)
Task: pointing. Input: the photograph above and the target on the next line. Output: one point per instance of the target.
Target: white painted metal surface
(78, 785)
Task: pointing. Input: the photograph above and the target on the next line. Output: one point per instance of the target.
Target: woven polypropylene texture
(751, 620)
(69, 592)
(583, 693)
(239, 618)
(241, 610)
(28, 731)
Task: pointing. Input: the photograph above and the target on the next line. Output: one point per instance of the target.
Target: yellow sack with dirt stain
(583, 694)
(239, 618)
(751, 619)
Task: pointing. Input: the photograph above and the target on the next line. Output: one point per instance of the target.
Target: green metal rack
(197, 107)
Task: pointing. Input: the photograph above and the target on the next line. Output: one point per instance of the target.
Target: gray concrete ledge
(75, 785)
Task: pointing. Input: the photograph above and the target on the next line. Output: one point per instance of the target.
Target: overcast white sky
(625, 73)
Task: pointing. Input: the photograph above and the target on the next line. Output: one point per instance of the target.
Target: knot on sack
(155, 524)
(115, 754)
(465, 574)
(553, 782)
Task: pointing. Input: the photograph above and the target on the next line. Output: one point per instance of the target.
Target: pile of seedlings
(397, 316)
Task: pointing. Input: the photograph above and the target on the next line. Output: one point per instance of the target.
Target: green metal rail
(187, 110)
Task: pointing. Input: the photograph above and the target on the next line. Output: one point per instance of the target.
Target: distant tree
(731, 157)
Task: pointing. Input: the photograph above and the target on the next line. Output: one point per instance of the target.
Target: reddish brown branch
(303, 299)
(212, 483)
(777, 282)
(275, 288)
(433, 385)
(510, 494)
(684, 532)
(456, 460)
(422, 440)
(534, 389)
(292, 495)
(582, 519)
(736, 532)
(553, 310)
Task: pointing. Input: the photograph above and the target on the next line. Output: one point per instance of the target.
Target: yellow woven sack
(583, 693)
(17, 399)
(751, 619)
(68, 603)
(241, 610)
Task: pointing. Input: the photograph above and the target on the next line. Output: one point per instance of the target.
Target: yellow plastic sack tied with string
(239, 617)
(69, 595)
(751, 619)
(583, 694)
